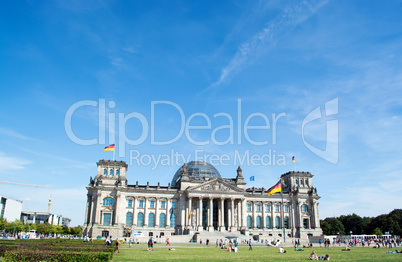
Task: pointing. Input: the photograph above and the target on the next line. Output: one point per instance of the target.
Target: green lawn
(260, 253)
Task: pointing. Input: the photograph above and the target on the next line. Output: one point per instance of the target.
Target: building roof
(196, 170)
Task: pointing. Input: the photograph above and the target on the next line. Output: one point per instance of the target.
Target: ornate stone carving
(214, 186)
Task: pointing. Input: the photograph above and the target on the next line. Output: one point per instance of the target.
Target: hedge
(52, 256)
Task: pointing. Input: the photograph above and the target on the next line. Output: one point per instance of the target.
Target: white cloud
(12, 163)
(290, 17)
(12, 133)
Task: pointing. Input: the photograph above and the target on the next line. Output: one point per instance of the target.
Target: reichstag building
(198, 201)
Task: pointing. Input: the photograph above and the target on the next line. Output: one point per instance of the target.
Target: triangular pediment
(215, 185)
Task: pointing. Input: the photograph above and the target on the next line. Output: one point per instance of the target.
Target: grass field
(259, 253)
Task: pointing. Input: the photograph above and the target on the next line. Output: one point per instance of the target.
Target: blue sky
(206, 57)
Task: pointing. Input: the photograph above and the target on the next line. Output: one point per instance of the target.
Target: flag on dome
(293, 159)
(277, 188)
(109, 148)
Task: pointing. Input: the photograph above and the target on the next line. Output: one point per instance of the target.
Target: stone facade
(198, 201)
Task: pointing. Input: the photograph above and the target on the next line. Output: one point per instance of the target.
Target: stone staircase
(213, 236)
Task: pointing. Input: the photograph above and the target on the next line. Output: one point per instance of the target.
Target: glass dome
(196, 170)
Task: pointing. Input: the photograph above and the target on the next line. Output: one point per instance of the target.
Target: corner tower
(111, 173)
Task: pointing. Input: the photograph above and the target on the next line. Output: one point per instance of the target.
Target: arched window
(117, 172)
(108, 201)
(249, 221)
(162, 220)
(173, 221)
(258, 222)
(129, 219)
(268, 222)
(111, 172)
(151, 220)
(277, 222)
(304, 208)
(140, 219)
(286, 222)
(105, 171)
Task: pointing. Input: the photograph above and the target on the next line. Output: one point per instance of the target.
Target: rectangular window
(152, 204)
(258, 208)
(277, 208)
(249, 207)
(141, 203)
(106, 219)
(130, 203)
(163, 204)
(173, 205)
(305, 223)
(268, 208)
(286, 208)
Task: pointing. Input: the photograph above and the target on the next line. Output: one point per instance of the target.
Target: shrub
(52, 256)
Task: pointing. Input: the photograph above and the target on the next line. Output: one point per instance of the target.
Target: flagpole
(114, 150)
(283, 216)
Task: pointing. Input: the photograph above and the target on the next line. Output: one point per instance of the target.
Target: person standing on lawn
(117, 245)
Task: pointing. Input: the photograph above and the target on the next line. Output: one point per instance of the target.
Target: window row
(108, 201)
(111, 172)
(268, 223)
(140, 220)
(302, 182)
(267, 208)
(151, 220)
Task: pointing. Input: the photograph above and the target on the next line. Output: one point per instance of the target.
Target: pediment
(215, 185)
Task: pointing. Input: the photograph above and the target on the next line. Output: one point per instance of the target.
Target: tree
(377, 231)
(334, 226)
(3, 223)
(326, 227)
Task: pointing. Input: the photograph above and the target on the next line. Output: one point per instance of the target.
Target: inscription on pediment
(215, 186)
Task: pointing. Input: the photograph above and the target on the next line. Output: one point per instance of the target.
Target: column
(190, 202)
(263, 219)
(222, 215)
(232, 211)
(156, 213)
(238, 203)
(200, 214)
(182, 212)
(87, 212)
(116, 210)
(291, 216)
(98, 208)
(134, 211)
(272, 215)
(315, 214)
(254, 225)
(210, 215)
(168, 212)
(243, 214)
(146, 212)
(93, 210)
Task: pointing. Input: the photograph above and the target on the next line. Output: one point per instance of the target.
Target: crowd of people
(231, 245)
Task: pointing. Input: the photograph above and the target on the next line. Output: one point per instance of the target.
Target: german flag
(277, 188)
(109, 148)
(189, 216)
(293, 159)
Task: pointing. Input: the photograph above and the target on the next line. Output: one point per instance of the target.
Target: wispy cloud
(273, 30)
(12, 163)
(11, 133)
